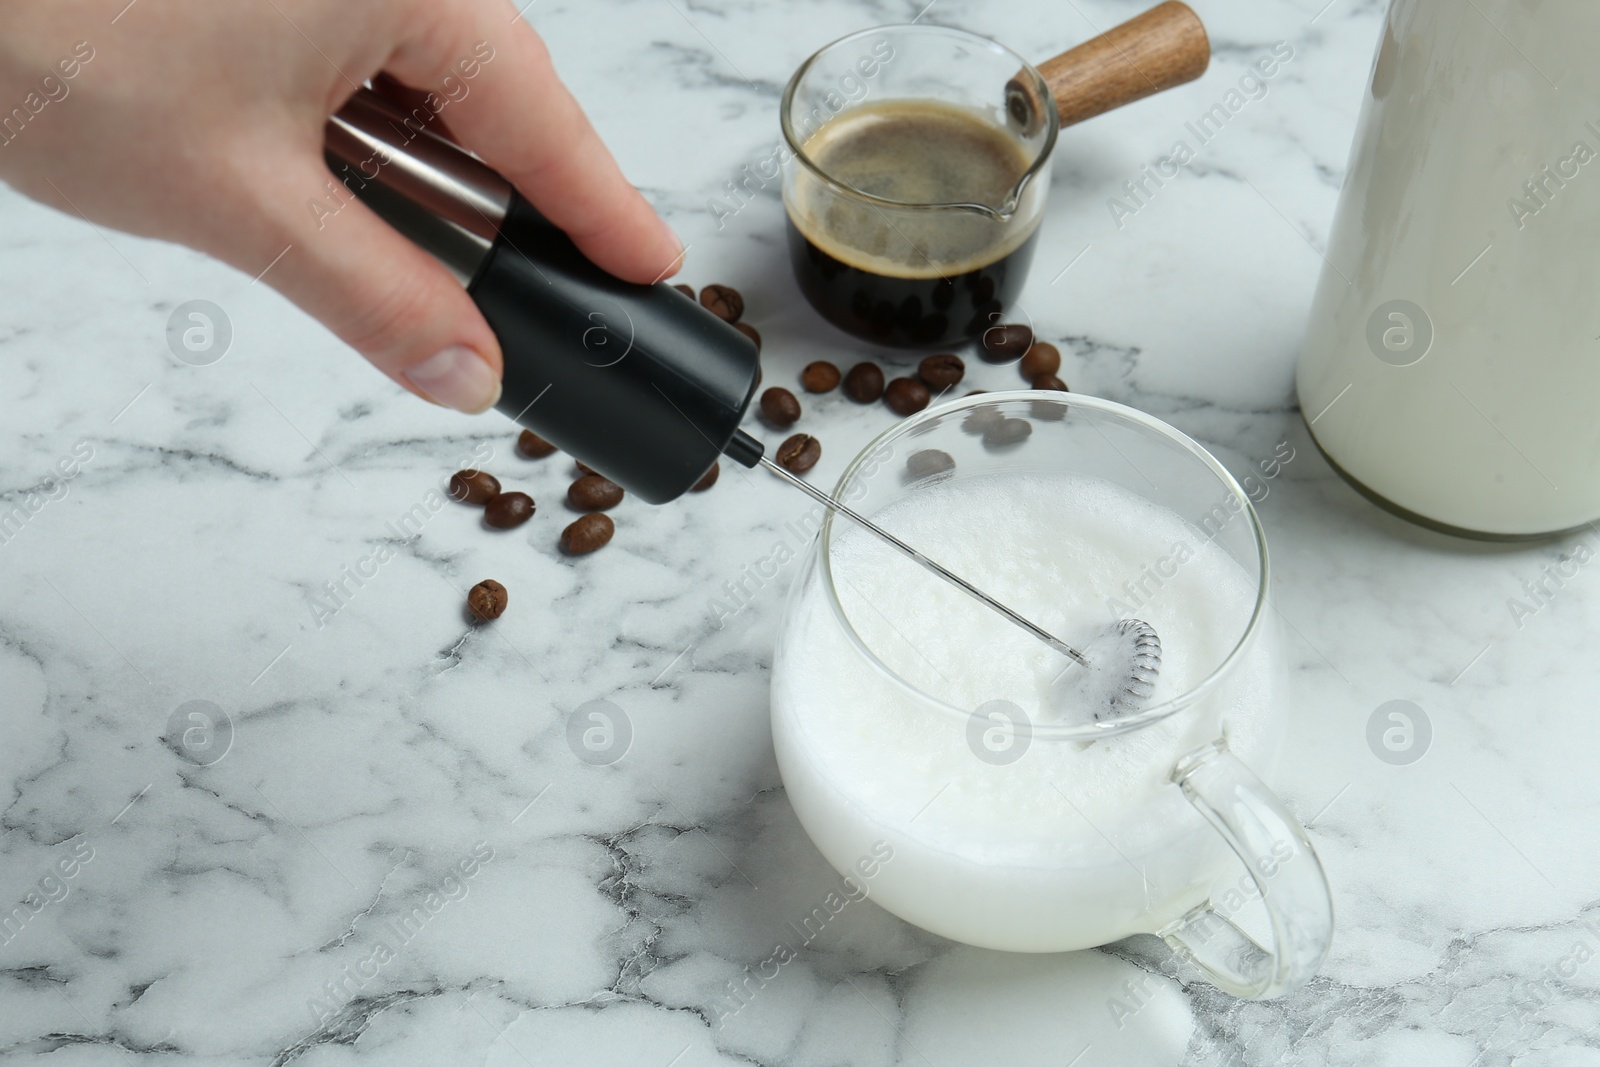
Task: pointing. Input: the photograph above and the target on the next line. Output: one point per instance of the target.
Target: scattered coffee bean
(979, 420)
(819, 377)
(1042, 357)
(942, 371)
(750, 332)
(594, 492)
(685, 290)
(473, 487)
(505, 510)
(723, 301)
(587, 534)
(707, 480)
(533, 446)
(779, 406)
(906, 396)
(799, 453)
(1005, 432)
(487, 599)
(584, 468)
(928, 462)
(1004, 343)
(864, 383)
(1047, 411)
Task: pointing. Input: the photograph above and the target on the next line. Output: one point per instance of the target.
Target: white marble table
(210, 909)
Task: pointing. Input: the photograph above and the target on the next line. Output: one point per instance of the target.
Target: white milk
(1450, 366)
(1074, 844)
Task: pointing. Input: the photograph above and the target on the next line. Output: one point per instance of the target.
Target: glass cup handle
(1286, 872)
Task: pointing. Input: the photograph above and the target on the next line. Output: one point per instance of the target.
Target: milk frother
(637, 381)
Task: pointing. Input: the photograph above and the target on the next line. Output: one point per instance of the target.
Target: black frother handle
(637, 381)
(744, 449)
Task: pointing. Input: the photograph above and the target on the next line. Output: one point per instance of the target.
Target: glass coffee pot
(918, 163)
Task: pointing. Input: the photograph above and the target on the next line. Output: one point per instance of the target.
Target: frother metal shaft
(910, 553)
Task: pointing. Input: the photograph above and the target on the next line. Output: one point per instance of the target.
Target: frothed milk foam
(1073, 844)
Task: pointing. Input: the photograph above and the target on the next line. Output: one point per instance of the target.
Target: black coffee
(899, 276)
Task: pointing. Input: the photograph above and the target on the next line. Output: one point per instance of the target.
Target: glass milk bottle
(1452, 362)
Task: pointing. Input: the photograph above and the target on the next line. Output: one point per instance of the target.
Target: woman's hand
(201, 122)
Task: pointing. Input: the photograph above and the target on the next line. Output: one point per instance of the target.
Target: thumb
(381, 294)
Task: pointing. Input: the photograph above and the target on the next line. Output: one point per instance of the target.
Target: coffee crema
(917, 271)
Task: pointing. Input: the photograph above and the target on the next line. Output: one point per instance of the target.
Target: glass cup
(1040, 836)
(907, 272)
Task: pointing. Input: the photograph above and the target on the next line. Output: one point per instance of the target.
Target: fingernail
(457, 378)
(676, 244)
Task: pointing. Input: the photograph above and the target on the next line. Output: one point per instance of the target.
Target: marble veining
(398, 857)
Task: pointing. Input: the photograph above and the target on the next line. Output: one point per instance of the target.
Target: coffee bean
(1005, 432)
(1042, 357)
(533, 446)
(707, 480)
(473, 487)
(487, 599)
(505, 510)
(819, 377)
(906, 396)
(594, 492)
(941, 372)
(928, 462)
(1047, 410)
(779, 406)
(685, 290)
(1004, 343)
(799, 453)
(584, 468)
(750, 332)
(864, 383)
(587, 534)
(979, 420)
(723, 301)
(1050, 381)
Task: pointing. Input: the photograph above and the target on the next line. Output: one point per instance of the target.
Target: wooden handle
(1163, 47)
